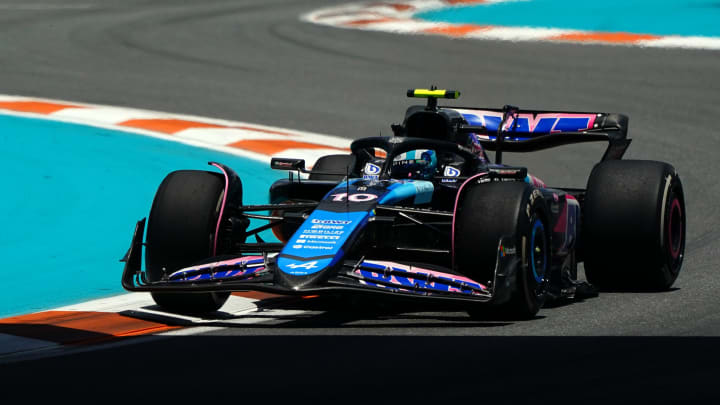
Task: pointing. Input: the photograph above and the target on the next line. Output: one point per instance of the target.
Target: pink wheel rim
(675, 211)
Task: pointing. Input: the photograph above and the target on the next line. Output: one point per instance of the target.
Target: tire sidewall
(531, 280)
(164, 211)
(178, 238)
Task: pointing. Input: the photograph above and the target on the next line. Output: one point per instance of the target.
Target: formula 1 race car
(423, 215)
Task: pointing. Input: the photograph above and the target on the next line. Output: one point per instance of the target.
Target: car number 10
(359, 197)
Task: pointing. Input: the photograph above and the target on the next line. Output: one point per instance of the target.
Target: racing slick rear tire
(633, 225)
(180, 233)
(487, 212)
(333, 164)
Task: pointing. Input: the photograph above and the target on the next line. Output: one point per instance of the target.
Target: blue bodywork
(323, 238)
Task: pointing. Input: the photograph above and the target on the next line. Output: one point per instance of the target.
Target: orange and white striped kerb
(128, 315)
(253, 141)
(397, 17)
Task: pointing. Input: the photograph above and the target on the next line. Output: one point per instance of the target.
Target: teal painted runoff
(659, 17)
(71, 195)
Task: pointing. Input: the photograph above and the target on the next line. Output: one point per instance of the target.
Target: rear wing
(533, 130)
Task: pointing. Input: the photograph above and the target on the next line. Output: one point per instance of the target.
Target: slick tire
(180, 233)
(333, 164)
(633, 234)
(487, 212)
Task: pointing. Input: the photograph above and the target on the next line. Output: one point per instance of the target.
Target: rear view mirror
(287, 164)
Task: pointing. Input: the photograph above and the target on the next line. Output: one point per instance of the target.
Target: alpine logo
(306, 266)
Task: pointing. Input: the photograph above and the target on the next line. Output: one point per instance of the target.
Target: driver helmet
(420, 164)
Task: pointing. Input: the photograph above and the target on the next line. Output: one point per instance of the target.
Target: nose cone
(319, 243)
(301, 281)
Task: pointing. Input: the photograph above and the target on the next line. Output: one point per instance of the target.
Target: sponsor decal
(327, 227)
(323, 234)
(315, 246)
(324, 237)
(330, 221)
(450, 172)
(372, 169)
(323, 231)
(507, 251)
(528, 123)
(371, 172)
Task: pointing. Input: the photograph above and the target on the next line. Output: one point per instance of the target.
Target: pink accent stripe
(452, 236)
(418, 270)
(222, 207)
(230, 262)
(562, 222)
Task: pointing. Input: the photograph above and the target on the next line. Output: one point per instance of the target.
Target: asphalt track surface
(255, 61)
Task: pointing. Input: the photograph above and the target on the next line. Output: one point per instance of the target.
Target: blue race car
(422, 215)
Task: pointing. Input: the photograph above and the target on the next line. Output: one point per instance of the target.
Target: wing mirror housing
(287, 164)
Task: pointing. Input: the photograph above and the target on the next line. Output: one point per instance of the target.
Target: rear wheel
(180, 233)
(487, 212)
(634, 225)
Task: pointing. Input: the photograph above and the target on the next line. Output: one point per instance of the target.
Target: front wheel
(181, 230)
(488, 212)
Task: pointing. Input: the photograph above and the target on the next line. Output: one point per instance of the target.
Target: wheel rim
(538, 251)
(675, 226)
